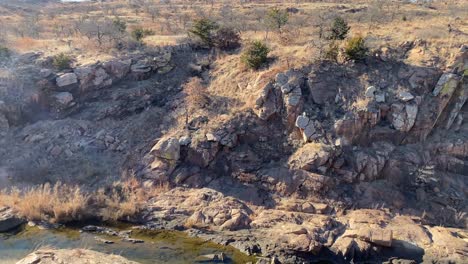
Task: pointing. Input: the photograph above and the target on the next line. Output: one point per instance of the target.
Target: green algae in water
(159, 247)
(193, 246)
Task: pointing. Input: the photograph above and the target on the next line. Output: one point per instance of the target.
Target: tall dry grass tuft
(57, 203)
(61, 203)
(126, 199)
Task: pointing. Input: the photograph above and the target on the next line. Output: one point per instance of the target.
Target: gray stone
(118, 68)
(67, 79)
(370, 91)
(309, 131)
(446, 84)
(380, 97)
(168, 149)
(141, 66)
(404, 116)
(100, 76)
(293, 97)
(185, 140)
(44, 73)
(281, 79)
(302, 121)
(405, 96)
(63, 98)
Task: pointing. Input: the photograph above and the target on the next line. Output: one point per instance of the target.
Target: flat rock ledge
(76, 256)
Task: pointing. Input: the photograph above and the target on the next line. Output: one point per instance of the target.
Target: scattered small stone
(221, 257)
(102, 240)
(405, 96)
(133, 240)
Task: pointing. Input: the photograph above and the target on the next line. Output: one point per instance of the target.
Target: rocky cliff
(333, 161)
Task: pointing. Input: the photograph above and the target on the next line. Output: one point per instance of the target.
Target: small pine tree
(339, 29)
(355, 48)
(255, 54)
(277, 18)
(203, 29)
(139, 33)
(61, 61)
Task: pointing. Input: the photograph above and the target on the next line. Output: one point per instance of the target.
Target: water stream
(159, 246)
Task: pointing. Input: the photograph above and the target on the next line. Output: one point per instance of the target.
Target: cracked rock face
(404, 116)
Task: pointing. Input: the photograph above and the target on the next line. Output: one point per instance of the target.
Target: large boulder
(118, 68)
(66, 79)
(8, 220)
(168, 149)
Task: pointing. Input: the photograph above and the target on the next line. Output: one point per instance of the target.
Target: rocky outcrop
(78, 256)
(283, 94)
(403, 116)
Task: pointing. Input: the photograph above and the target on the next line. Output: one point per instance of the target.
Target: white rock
(212, 137)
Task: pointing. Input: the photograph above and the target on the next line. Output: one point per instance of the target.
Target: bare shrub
(226, 38)
(195, 97)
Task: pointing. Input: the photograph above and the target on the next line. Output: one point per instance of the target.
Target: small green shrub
(139, 33)
(61, 61)
(203, 31)
(226, 38)
(355, 48)
(339, 29)
(404, 18)
(255, 54)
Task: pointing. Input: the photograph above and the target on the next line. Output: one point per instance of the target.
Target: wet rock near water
(78, 256)
(9, 220)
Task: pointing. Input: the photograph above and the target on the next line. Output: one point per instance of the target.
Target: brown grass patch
(61, 203)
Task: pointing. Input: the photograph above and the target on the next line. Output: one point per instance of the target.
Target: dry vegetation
(61, 203)
(92, 31)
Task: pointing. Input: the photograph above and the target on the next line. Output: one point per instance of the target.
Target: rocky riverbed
(97, 244)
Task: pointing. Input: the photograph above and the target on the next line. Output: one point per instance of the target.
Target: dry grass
(361, 103)
(388, 24)
(61, 203)
(58, 203)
